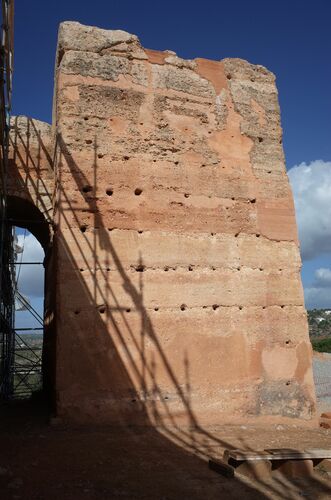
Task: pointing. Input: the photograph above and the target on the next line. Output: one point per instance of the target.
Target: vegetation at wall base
(323, 345)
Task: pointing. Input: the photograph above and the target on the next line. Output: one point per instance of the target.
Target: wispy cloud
(318, 295)
(311, 185)
(323, 277)
(31, 277)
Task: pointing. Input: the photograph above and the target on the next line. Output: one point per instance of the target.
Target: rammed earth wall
(178, 291)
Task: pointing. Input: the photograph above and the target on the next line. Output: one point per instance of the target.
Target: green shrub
(323, 345)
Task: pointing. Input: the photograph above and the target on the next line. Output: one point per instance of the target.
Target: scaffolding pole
(7, 277)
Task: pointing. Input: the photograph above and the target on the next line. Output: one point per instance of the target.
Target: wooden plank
(288, 454)
(242, 455)
(276, 454)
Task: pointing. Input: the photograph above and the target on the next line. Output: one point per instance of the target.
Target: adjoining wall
(30, 190)
(178, 293)
(30, 170)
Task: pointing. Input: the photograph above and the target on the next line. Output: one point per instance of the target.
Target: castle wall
(30, 190)
(178, 293)
(30, 164)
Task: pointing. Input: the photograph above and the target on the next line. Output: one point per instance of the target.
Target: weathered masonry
(173, 291)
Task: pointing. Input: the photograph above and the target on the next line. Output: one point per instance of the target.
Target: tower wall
(178, 293)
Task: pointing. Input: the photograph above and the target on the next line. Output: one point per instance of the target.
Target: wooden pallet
(271, 462)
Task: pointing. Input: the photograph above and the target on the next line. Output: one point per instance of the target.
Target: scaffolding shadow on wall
(26, 209)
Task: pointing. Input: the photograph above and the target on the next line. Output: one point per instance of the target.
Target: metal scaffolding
(7, 272)
(20, 353)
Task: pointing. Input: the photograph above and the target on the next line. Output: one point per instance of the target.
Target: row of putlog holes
(183, 307)
(138, 192)
(83, 229)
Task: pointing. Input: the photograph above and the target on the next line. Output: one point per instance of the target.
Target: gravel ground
(43, 462)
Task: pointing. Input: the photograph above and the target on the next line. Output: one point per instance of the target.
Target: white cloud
(31, 277)
(323, 277)
(311, 185)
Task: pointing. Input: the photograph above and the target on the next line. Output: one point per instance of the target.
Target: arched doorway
(28, 315)
(22, 213)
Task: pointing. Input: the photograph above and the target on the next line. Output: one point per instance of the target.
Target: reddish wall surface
(178, 291)
(30, 168)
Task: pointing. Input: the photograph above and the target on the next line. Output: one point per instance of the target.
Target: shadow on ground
(40, 461)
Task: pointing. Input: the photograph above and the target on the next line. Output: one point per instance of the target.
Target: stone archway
(30, 173)
(22, 212)
(30, 186)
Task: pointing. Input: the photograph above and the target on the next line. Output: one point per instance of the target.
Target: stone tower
(177, 296)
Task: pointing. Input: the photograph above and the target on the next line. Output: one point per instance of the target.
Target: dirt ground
(39, 461)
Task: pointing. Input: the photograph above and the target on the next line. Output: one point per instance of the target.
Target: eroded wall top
(235, 117)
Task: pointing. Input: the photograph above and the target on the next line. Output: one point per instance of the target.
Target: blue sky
(289, 37)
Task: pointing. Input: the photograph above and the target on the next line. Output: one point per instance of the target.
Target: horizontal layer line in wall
(86, 228)
(182, 267)
(184, 307)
